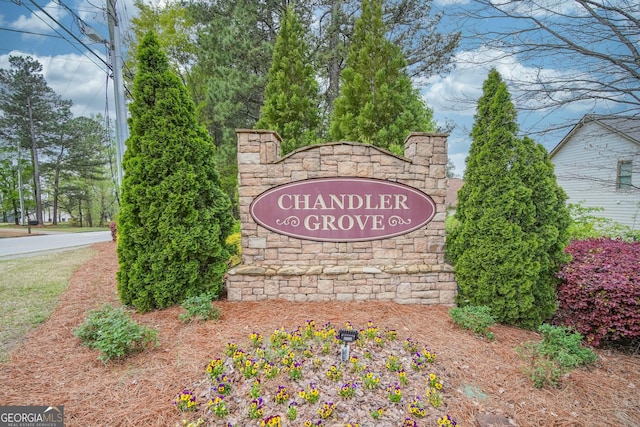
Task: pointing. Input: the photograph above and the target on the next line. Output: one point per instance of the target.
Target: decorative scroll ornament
(395, 220)
(292, 220)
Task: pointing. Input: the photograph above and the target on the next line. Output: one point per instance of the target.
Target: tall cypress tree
(511, 218)
(174, 218)
(291, 95)
(377, 103)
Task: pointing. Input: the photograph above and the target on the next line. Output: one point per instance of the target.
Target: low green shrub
(474, 318)
(199, 308)
(559, 352)
(589, 224)
(112, 331)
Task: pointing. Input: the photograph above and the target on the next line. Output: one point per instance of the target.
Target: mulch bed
(51, 367)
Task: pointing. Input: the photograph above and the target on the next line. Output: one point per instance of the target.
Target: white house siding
(586, 168)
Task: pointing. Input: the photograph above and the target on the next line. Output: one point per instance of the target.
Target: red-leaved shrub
(114, 230)
(600, 291)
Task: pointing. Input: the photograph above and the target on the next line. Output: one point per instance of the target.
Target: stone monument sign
(342, 221)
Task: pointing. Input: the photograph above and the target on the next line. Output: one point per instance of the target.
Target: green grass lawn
(29, 291)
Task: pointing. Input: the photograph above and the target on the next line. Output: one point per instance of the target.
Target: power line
(55, 30)
(31, 33)
(68, 32)
(85, 28)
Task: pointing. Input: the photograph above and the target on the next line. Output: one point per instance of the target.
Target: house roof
(626, 126)
(451, 199)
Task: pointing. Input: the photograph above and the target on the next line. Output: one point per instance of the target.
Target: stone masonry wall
(407, 269)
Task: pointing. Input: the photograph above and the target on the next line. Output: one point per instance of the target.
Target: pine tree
(377, 103)
(174, 218)
(291, 95)
(227, 82)
(77, 153)
(511, 218)
(29, 107)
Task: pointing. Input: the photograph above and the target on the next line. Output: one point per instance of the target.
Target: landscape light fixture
(346, 336)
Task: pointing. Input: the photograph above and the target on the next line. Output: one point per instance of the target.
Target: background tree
(75, 200)
(57, 152)
(247, 30)
(291, 95)
(410, 24)
(175, 29)
(450, 169)
(27, 104)
(77, 151)
(511, 219)
(600, 36)
(174, 218)
(234, 49)
(9, 182)
(377, 103)
(233, 43)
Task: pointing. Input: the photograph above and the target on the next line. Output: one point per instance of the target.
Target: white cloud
(90, 13)
(449, 2)
(540, 8)
(77, 78)
(74, 77)
(38, 21)
(454, 97)
(459, 91)
(459, 163)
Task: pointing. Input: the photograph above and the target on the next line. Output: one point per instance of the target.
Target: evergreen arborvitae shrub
(291, 95)
(600, 291)
(508, 240)
(377, 103)
(174, 218)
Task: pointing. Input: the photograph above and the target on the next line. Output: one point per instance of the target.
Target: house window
(624, 175)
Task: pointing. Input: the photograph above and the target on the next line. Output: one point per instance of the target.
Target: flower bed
(309, 377)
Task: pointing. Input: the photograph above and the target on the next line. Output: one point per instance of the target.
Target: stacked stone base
(404, 284)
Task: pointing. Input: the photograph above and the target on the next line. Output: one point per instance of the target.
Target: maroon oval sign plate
(343, 209)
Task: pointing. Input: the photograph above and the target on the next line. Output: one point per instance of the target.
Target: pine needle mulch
(51, 367)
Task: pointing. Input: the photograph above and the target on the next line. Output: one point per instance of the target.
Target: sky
(74, 67)
(73, 64)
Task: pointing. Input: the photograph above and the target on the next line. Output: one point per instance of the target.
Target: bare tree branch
(573, 51)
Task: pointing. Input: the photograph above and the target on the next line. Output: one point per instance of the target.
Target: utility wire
(69, 32)
(19, 2)
(32, 33)
(85, 28)
(54, 29)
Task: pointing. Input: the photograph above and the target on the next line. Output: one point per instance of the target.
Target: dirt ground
(51, 367)
(18, 232)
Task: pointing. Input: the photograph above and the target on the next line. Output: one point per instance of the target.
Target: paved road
(14, 247)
